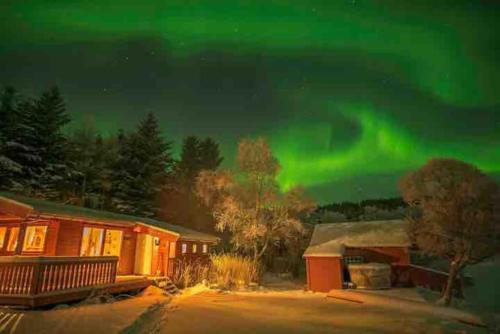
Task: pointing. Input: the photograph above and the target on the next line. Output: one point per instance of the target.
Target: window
(184, 248)
(91, 241)
(195, 248)
(354, 259)
(172, 250)
(13, 236)
(112, 243)
(3, 233)
(34, 240)
(205, 248)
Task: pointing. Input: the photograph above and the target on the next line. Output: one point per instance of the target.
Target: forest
(131, 172)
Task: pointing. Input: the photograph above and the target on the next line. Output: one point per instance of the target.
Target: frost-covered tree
(249, 204)
(457, 214)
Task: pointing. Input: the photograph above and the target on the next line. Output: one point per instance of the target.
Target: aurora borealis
(351, 94)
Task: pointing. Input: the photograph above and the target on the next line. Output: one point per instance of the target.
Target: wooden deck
(39, 281)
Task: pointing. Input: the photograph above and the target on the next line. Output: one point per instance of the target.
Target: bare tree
(249, 204)
(456, 214)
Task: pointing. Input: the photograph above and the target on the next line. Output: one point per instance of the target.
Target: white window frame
(205, 248)
(194, 248)
(184, 247)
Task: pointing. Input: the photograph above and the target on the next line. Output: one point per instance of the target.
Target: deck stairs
(166, 284)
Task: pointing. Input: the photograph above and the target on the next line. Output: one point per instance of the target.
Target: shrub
(231, 271)
(190, 273)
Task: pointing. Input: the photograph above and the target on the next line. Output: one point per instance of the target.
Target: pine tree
(23, 146)
(84, 168)
(14, 154)
(105, 159)
(210, 158)
(196, 155)
(49, 118)
(181, 206)
(188, 166)
(144, 161)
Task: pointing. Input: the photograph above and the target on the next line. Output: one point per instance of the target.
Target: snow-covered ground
(292, 311)
(106, 318)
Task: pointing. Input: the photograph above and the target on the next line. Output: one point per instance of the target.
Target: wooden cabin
(147, 247)
(334, 246)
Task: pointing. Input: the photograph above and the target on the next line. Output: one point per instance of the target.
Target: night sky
(351, 94)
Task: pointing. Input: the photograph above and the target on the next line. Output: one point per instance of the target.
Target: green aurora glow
(345, 89)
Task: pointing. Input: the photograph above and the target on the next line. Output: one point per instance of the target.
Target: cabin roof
(39, 206)
(332, 239)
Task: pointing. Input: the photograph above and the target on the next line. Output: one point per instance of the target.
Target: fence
(29, 276)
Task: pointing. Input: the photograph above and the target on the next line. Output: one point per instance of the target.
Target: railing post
(114, 265)
(35, 282)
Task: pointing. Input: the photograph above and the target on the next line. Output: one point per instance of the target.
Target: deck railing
(24, 275)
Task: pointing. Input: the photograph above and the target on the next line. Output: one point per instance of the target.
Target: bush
(191, 273)
(233, 271)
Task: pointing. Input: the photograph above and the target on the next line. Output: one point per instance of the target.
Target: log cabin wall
(127, 254)
(160, 256)
(8, 225)
(189, 255)
(70, 237)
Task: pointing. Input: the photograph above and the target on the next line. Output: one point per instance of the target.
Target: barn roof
(331, 239)
(38, 206)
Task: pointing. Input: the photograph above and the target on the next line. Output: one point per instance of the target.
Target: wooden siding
(6, 218)
(412, 275)
(127, 256)
(324, 273)
(70, 237)
(15, 209)
(64, 237)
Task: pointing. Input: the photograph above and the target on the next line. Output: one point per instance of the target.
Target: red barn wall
(392, 255)
(324, 273)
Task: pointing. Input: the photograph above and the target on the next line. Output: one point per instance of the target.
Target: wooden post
(35, 282)
(20, 238)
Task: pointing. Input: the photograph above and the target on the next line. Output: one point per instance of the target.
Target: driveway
(287, 312)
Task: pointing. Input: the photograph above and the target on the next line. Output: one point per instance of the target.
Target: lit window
(171, 254)
(205, 248)
(12, 244)
(3, 232)
(184, 248)
(91, 241)
(34, 240)
(112, 243)
(195, 248)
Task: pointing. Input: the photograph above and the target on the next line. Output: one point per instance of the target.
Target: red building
(33, 227)
(334, 246)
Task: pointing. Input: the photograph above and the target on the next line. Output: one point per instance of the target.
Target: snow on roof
(59, 209)
(331, 239)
